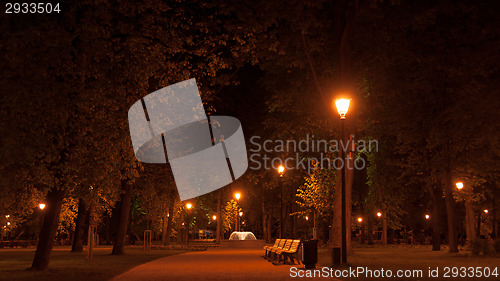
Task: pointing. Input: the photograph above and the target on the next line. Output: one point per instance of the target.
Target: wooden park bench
(268, 248)
(285, 246)
(269, 252)
(291, 253)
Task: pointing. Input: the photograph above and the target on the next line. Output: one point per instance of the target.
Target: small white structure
(244, 235)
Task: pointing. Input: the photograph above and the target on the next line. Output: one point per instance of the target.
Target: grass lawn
(68, 266)
(400, 258)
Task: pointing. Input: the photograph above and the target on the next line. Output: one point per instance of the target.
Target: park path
(213, 264)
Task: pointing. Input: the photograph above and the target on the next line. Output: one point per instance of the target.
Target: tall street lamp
(342, 108)
(237, 195)
(281, 171)
(239, 222)
(189, 206)
(469, 211)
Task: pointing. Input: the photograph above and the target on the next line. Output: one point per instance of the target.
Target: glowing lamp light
(459, 185)
(281, 170)
(379, 214)
(214, 217)
(7, 216)
(486, 211)
(427, 217)
(237, 196)
(360, 219)
(189, 206)
(307, 218)
(8, 223)
(243, 223)
(241, 214)
(41, 206)
(342, 107)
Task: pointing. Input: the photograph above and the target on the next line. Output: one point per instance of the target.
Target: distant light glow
(241, 214)
(486, 211)
(189, 206)
(8, 223)
(342, 107)
(307, 218)
(379, 214)
(459, 185)
(427, 217)
(41, 206)
(360, 219)
(237, 196)
(214, 217)
(7, 216)
(281, 169)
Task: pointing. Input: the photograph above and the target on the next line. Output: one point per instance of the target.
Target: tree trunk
(169, 222)
(369, 230)
(384, 227)
(52, 210)
(469, 221)
(81, 224)
(450, 211)
(219, 216)
(437, 223)
(119, 241)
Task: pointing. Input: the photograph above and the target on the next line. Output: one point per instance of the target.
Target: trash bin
(310, 253)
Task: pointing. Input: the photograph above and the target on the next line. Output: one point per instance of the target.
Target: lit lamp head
(41, 206)
(241, 214)
(459, 185)
(214, 217)
(307, 218)
(189, 206)
(486, 211)
(379, 214)
(360, 219)
(281, 170)
(342, 107)
(427, 217)
(237, 196)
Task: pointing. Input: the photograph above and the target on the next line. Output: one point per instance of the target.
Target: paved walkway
(213, 264)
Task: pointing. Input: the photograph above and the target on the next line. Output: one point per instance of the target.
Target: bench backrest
(295, 246)
(282, 243)
(276, 243)
(287, 244)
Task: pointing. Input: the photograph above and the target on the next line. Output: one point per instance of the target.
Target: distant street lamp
(239, 220)
(427, 217)
(360, 220)
(342, 108)
(237, 196)
(41, 206)
(281, 171)
(469, 211)
(486, 211)
(379, 214)
(214, 217)
(189, 206)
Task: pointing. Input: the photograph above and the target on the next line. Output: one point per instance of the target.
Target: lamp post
(469, 212)
(281, 171)
(239, 222)
(237, 195)
(342, 108)
(189, 206)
